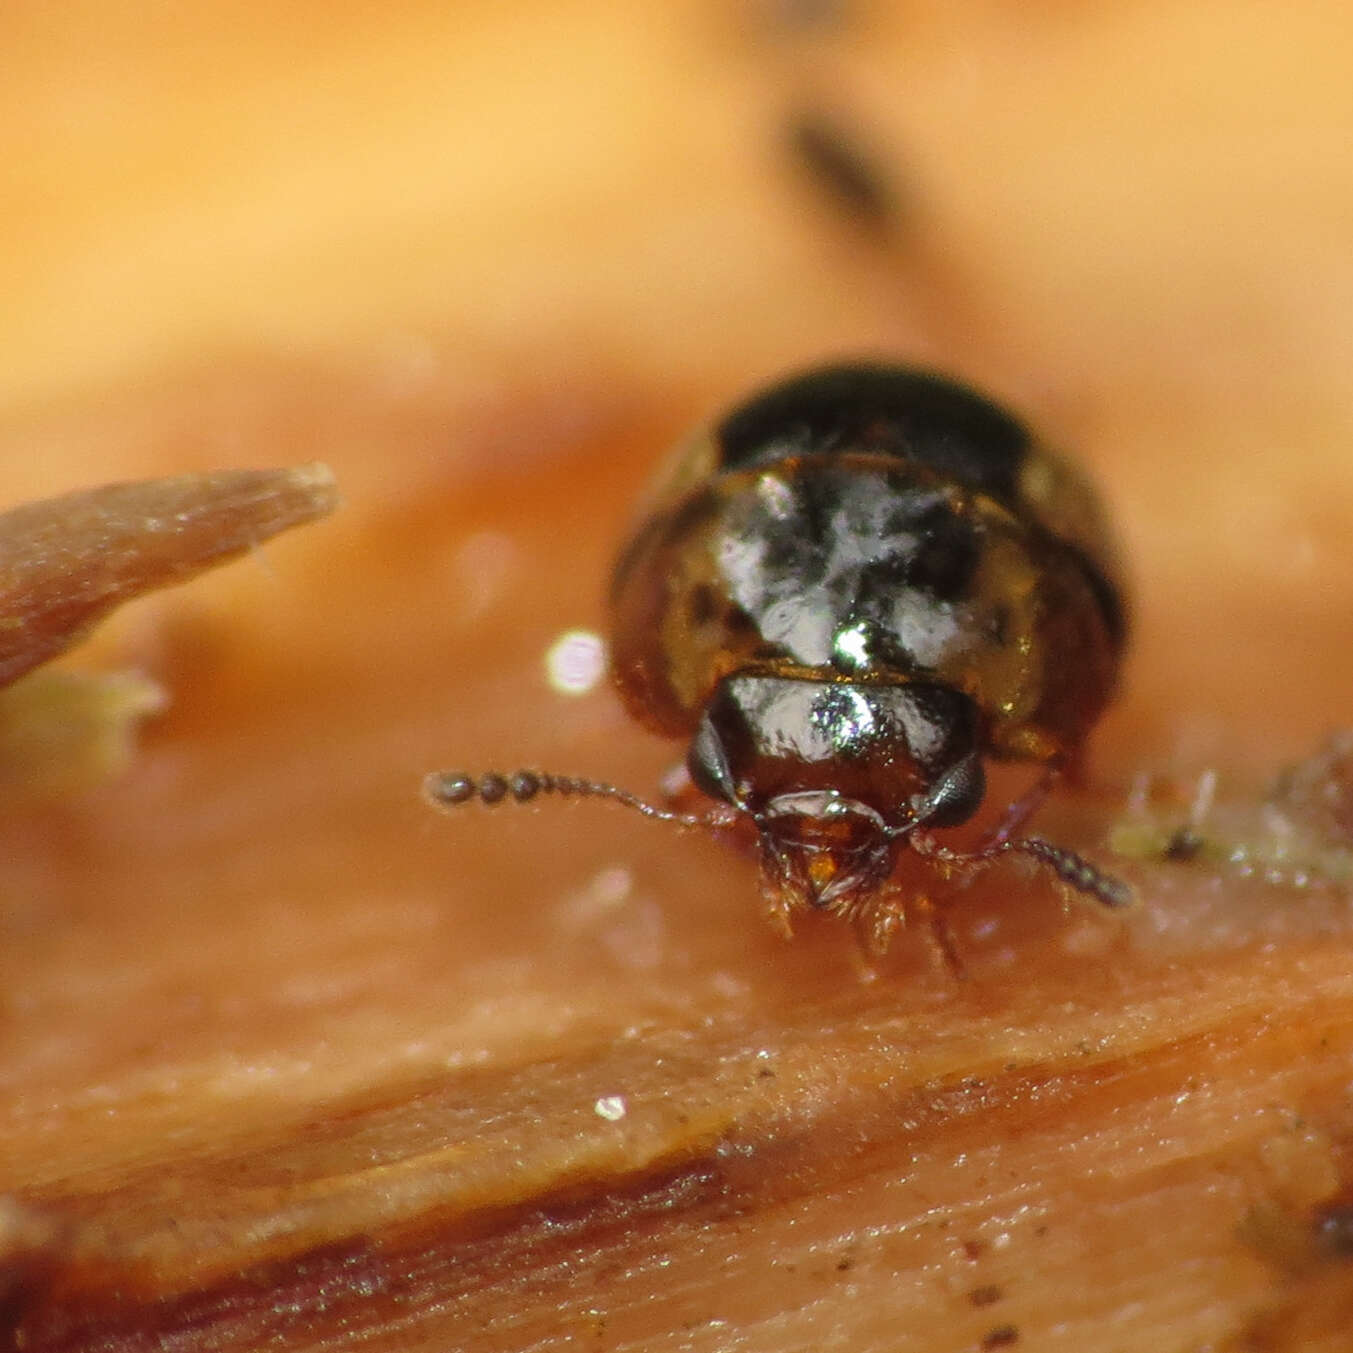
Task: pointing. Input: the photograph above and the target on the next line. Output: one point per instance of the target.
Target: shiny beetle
(857, 587)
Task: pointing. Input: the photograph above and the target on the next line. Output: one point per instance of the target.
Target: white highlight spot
(853, 644)
(611, 1107)
(575, 662)
(605, 894)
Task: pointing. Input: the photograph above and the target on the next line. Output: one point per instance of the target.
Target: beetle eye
(707, 763)
(956, 795)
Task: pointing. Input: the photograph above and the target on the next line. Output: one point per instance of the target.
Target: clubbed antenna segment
(1071, 869)
(1074, 870)
(449, 789)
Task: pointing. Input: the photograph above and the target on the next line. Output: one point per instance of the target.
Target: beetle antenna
(450, 788)
(1074, 870)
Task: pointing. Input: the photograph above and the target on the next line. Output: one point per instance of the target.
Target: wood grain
(284, 1056)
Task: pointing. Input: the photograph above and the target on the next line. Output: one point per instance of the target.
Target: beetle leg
(877, 922)
(941, 936)
(778, 911)
(1024, 807)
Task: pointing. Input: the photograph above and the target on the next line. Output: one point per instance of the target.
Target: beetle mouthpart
(822, 851)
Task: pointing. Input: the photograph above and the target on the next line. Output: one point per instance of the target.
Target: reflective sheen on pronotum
(848, 595)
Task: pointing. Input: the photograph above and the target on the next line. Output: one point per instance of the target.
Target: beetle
(849, 594)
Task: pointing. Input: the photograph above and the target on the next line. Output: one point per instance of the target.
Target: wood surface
(288, 1060)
